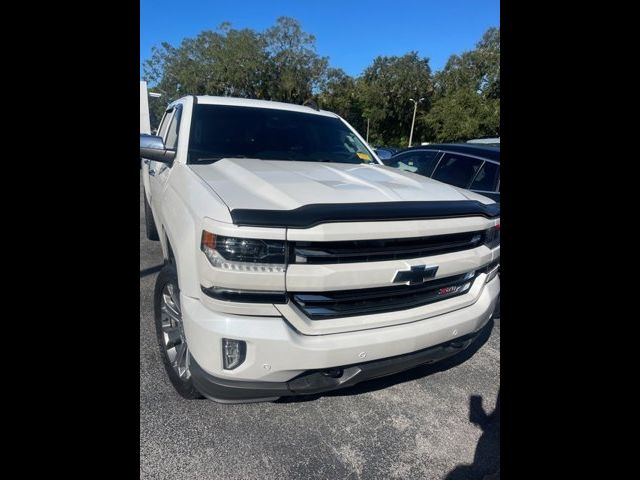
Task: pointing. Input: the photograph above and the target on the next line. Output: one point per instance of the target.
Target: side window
(164, 123)
(457, 170)
(172, 134)
(487, 178)
(421, 163)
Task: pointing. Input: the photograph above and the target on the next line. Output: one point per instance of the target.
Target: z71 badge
(447, 290)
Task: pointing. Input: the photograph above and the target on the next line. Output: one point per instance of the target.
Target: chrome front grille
(353, 251)
(345, 303)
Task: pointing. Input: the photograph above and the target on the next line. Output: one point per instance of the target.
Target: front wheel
(170, 332)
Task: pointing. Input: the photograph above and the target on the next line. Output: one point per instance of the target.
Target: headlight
(243, 254)
(492, 237)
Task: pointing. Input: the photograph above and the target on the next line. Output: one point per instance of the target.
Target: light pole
(415, 109)
(364, 115)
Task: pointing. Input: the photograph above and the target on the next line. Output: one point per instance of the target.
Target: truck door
(149, 166)
(159, 172)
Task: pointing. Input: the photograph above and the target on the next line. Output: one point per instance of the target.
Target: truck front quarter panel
(187, 201)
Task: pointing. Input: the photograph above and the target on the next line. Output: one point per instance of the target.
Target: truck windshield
(222, 131)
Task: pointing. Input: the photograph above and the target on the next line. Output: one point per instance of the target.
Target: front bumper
(278, 354)
(318, 381)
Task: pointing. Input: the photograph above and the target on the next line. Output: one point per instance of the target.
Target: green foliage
(340, 94)
(386, 87)
(477, 70)
(467, 94)
(281, 63)
(295, 69)
(461, 115)
(225, 62)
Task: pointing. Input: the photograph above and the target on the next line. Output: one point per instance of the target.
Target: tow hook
(333, 372)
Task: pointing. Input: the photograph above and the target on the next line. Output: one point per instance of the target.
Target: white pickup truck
(295, 262)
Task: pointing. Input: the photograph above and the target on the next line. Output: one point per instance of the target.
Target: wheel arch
(180, 248)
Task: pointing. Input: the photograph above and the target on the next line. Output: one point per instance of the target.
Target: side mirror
(153, 148)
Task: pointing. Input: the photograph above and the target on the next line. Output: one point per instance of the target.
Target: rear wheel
(150, 225)
(170, 332)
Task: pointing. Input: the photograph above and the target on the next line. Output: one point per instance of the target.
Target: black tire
(183, 384)
(496, 312)
(150, 225)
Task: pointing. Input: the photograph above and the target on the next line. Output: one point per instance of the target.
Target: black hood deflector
(310, 215)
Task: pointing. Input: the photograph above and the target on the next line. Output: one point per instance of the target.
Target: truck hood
(248, 183)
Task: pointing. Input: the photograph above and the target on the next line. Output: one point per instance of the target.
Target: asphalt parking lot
(432, 422)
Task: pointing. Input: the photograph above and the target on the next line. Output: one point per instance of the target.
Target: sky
(350, 32)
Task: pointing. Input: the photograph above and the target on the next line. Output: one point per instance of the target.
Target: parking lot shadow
(486, 461)
(150, 270)
(402, 377)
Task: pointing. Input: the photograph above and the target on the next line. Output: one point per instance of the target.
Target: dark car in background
(475, 167)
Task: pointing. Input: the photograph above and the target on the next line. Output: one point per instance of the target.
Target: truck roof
(248, 102)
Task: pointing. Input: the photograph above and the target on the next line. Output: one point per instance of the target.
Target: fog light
(233, 353)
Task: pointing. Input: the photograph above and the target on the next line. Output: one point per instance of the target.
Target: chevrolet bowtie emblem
(417, 274)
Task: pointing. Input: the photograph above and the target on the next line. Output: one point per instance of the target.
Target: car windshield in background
(222, 131)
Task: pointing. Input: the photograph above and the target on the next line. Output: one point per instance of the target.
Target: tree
(386, 87)
(467, 94)
(296, 70)
(477, 70)
(340, 94)
(462, 115)
(279, 64)
(222, 62)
